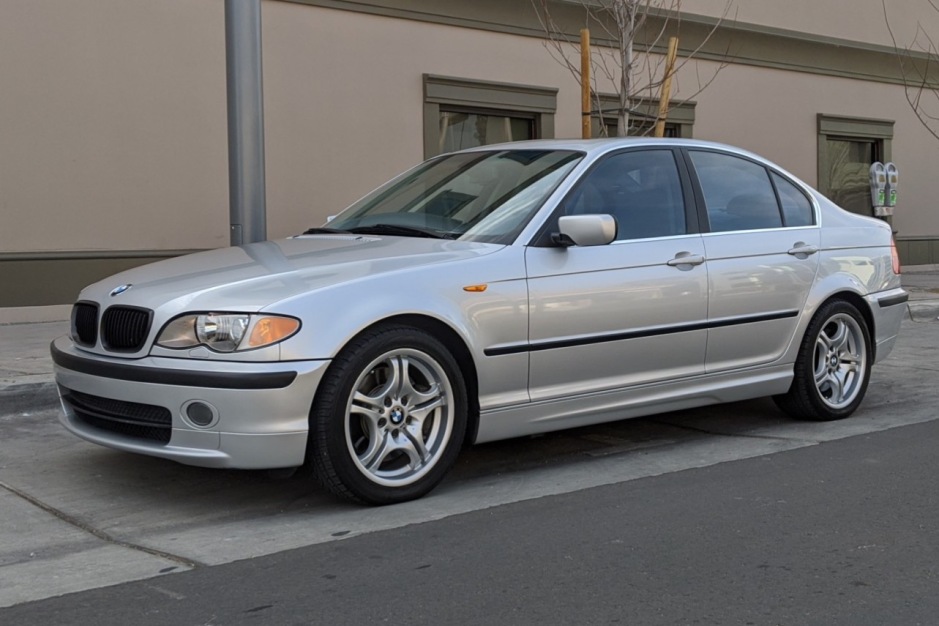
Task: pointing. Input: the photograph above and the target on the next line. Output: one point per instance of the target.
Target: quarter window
(640, 189)
(738, 193)
(797, 210)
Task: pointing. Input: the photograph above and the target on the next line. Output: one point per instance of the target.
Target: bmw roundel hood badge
(119, 290)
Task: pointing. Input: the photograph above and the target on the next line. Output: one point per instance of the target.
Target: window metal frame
(680, 113)
(450, 93)
(703, 215)
(850, 128)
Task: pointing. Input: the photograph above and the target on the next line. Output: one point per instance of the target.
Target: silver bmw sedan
(491, 293)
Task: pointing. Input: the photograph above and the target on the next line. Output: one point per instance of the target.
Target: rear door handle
(685, 258)
(800, 248)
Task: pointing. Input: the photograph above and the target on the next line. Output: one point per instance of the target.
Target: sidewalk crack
(716, 433)
(100, 534)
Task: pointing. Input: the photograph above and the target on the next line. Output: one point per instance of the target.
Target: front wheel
(833, 365)
(389, 417)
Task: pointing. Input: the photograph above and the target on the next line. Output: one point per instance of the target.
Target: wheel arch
(863, 308)
(452, 341)
(805, 398)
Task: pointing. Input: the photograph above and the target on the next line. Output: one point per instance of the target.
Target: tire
(389, 417)
(833, 366)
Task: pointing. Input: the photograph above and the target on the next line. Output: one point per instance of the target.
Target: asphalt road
(844, 532)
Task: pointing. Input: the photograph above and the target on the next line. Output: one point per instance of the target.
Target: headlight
(227, 332)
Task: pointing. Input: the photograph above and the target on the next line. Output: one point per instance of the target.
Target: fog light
(200, 414)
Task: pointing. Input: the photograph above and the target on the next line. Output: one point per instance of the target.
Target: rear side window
(797, 210)
(738, 193)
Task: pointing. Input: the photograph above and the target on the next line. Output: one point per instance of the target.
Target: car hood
(250, 277)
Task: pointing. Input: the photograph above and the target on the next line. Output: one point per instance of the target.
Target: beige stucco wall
(344, 99)
(854, 20)
(112, 125)
(113, 114)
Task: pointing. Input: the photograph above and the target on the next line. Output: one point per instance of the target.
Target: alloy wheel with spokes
(399, 417)
(840, 361)
(389, 417)
(832, 368)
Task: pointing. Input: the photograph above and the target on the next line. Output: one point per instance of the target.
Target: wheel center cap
(834, 361)
(397, 415)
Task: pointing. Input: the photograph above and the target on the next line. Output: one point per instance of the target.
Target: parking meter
(892, 175)
(878, 179)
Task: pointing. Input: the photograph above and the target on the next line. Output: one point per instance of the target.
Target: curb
(923, 310)
(28, 398)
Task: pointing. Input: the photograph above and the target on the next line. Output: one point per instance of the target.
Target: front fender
(497, 315)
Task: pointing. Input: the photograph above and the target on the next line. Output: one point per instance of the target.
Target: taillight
(894, 256)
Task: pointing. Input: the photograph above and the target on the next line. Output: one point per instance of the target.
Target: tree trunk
(625, 15)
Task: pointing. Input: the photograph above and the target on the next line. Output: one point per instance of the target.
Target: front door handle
(685, 258)
(802, 250)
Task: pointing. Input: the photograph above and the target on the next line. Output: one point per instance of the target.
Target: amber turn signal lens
(895, 257)
(268, 330)
(475, 288)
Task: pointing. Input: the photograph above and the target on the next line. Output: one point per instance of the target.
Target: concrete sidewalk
(26, 381)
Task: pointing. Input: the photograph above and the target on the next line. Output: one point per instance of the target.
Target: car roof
(600, 146)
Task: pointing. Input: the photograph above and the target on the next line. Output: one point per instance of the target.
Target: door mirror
(585, 230)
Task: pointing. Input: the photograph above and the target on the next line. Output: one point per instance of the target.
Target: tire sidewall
(329, 413)
(806, 364)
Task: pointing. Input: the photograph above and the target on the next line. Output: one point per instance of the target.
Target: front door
(633, 311)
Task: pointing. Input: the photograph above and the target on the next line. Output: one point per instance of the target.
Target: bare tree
(628, 30)
(919, 66)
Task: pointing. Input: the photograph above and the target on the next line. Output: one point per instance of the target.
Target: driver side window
(641, 189)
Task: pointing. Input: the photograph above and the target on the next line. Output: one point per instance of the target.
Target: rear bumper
(888, 309)
(260, 410)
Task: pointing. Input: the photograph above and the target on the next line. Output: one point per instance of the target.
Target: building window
(462, 113)
(847, 146)
(461, 129)
(642, 116)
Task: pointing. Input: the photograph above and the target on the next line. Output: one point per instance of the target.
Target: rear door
(762, 257)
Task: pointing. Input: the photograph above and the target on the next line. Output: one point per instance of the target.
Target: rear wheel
(389, 417)
(833, 366)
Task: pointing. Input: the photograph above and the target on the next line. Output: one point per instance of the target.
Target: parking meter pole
(246, 193)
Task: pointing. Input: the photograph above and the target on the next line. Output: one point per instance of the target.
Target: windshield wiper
(326, 231)
(397, 229)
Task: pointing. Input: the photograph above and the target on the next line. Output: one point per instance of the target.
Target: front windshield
(471, 196)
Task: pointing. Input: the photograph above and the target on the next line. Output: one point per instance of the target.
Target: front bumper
(888, 309)
(260, 410)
